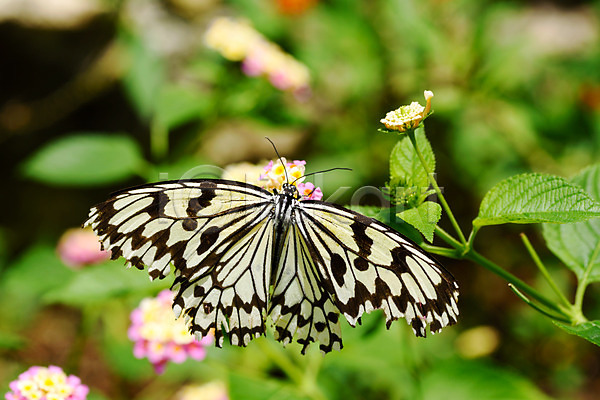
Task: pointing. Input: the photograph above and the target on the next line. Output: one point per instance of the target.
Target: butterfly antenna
(321, 172)
(280, 159)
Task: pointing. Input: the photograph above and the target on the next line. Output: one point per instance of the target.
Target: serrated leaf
(578, 244)
(389, 216)
(85, 159)
(589, 330)
(405, 164)
(531, 198)
(424, 217)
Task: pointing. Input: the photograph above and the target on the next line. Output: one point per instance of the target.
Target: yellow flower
(27, 386)
(244, 172)
(207, 391)
(232, 38)
(280, 171)
(408, 117)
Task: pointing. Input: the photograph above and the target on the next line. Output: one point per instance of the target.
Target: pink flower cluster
(160, 337)
(282, 70)
(276, 173)
(237, 40)
(41, 383)
(79, 247)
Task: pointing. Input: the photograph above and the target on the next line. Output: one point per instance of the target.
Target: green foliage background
(124, 97)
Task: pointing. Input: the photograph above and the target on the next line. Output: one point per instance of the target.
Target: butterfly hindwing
(234, 293)
(368, 266)
(300, 305)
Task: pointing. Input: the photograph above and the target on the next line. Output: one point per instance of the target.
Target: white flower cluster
(408, 117)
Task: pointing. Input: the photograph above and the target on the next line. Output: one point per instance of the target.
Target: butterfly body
(243, 255)
(282, 215)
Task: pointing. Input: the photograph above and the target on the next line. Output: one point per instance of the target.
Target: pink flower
(254, 63)
(309, 192)
(40, 383)
(299, 163)
(280, 80)
(78, 247)
(161, 338)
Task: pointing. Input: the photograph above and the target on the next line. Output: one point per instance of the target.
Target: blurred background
(98, 95)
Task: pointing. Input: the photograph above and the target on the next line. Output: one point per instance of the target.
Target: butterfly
(241, 254)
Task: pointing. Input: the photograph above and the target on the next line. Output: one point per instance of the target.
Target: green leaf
(95, 396)
(473, 380)
(589, 330)
(254, 388)
(85, 159)
(102, 282)
(389, 217)
(177, 105)
(578, 244)
(405, 165)
(183, 168)
(145, 75)
(356, 58)
(531, 198)
(11, 341)
(21, 284)
(370, 211)
(425, 218)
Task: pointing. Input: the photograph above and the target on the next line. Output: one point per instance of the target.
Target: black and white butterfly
(242, 254)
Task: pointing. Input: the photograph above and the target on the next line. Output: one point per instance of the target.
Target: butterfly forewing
(180, 222)
(221, 237)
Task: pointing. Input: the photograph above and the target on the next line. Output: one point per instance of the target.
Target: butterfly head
(290, 190)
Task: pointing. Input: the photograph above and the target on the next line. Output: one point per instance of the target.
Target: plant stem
(304, 380)
(411, 135)
(442, 251)
(583, 282)
(446, 237)
(465, 251)
(292, 371)
(542, 310)
(519, 284)
(310, 376)
(159, 140)
(544, 270)
(471, 238)
(567, 312)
